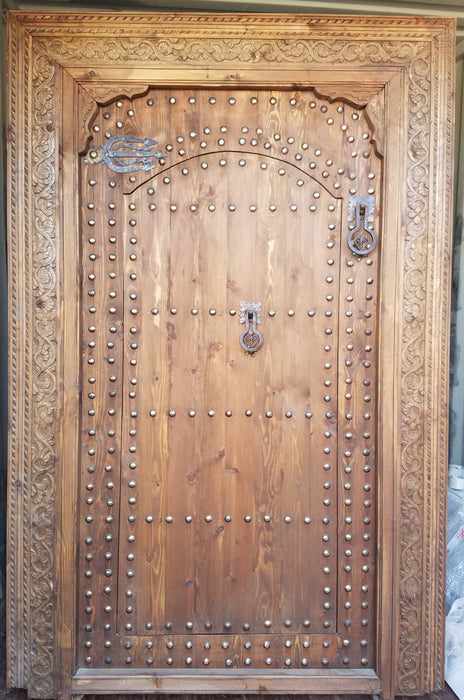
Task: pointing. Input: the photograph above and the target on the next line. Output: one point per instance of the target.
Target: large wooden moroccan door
(228, 383)
(228, 291)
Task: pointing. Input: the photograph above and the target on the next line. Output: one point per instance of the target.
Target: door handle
(250, 314)
(362, 239)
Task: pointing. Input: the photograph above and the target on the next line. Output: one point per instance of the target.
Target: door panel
(229, 495)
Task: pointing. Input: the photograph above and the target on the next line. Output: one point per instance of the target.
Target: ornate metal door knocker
(250, 314)
(362, 239)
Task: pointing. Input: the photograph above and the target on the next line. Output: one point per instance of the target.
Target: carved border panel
(57, 56)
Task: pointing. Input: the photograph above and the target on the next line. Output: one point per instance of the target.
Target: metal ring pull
(250, 314)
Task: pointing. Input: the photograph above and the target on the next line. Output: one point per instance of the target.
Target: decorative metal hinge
(250, 314)
(126, 154)
(362, 239)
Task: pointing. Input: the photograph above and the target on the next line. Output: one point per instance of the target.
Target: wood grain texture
(414, 299)
(219, 500)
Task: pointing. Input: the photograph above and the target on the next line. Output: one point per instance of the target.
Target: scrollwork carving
(180, 49)
(44, 204)
(413, 354)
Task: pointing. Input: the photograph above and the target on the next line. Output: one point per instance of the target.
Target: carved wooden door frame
(403, 70)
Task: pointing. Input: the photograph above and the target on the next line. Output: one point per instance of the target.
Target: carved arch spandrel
(91, 97)
(41, 46)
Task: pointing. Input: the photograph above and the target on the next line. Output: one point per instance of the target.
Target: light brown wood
(229, 221)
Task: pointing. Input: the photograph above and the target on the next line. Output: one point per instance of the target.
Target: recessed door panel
(229, 298)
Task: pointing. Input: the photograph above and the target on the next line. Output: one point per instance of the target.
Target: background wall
(453, 8)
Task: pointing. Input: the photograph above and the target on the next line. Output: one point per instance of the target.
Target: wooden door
(228, 463)
(246, 495)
